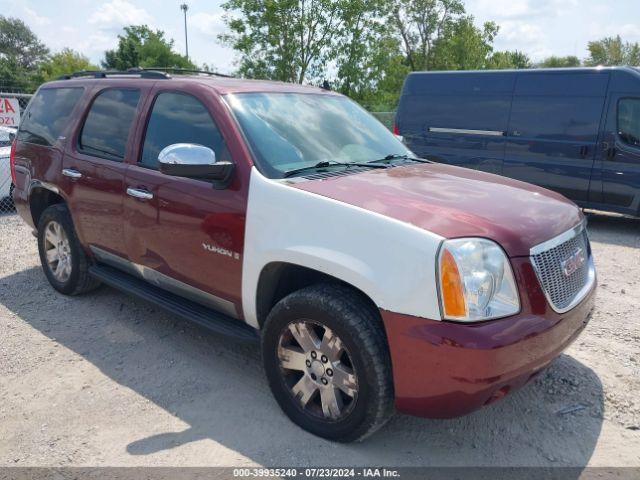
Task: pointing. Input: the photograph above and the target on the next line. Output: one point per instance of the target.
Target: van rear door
(553, 130)
(458, 118)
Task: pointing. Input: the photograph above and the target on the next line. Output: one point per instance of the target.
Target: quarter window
(629, 121)
(106, 129)
(48, 114)
(179, 118)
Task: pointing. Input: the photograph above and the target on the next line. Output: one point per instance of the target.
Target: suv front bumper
(443, 369)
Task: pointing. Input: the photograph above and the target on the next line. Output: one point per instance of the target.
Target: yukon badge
(220, 251)
(573, 263)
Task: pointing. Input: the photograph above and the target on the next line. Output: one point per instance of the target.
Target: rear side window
(629, 120)
(179, 118)
(106, 129)
(48, 115)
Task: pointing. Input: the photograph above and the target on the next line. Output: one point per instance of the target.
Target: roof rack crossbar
(186, 70)
(138, 72)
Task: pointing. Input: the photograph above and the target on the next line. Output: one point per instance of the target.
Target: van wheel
(327, 362)
(65, 264)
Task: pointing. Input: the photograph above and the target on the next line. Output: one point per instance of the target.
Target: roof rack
(185, 70)
(139, 72)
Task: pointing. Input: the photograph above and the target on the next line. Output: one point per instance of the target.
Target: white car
(5, 169)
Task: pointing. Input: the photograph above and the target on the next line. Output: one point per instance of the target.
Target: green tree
(420, 24)
(364, 50)
(288, 40)
(463, 46)
(387, 70)
(64, 62)
(613, 51)
(560, 62)
(508, 59)
(18, 42)
(21, 54)
(142, 47)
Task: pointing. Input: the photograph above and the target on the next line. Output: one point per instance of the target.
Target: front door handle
(139, 193)
(71, 173)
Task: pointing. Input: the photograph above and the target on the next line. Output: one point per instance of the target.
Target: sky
(537, 27)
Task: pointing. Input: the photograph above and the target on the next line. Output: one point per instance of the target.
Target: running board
(206, 317)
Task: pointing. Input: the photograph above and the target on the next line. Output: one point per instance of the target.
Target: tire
(76, 278)
(364, 401)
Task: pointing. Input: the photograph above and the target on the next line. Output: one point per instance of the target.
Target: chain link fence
(10, 97)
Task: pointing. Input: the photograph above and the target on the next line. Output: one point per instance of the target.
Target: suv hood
(456, 202)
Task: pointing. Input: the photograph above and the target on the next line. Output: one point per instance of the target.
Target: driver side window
(629, 121)
(179, 118)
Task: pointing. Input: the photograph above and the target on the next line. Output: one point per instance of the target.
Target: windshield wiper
(325, 164)
(398, 156)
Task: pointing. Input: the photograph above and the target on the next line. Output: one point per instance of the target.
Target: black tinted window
(48, 114)
(629, 120)
(179, 118)
(107, 126)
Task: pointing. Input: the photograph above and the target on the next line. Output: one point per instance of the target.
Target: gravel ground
(108, 380)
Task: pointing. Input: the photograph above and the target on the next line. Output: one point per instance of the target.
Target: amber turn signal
(451, 284)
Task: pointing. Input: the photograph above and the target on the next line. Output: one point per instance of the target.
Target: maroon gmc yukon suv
(373, 279)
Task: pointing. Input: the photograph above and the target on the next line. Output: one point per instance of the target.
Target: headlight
(476, 281)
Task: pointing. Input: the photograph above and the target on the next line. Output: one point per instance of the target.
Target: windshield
(288, 131)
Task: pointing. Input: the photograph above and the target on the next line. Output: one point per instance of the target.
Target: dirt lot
(105, 379)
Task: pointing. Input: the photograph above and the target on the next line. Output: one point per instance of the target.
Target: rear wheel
(65, 264)
(327, 362)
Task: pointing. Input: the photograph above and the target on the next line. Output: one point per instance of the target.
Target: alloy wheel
(318, 370)
(57, 251)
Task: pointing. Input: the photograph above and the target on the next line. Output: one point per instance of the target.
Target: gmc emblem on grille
(573, 263)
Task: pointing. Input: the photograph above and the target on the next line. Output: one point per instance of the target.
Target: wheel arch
(278, 279)
(42, 196)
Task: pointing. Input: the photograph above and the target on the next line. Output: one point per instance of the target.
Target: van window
(48, 114)
(629, 120)
(179, 118)
(106, 129)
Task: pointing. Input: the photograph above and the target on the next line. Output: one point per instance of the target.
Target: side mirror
(195, 161)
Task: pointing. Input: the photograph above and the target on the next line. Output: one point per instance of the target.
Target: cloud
(523, 36)
(504, 8)
(520, 32)
(119, 13)
(34, 18)
(629, 32)
(210, 24)
(522, 9)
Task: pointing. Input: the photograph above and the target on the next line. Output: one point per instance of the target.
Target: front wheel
(327, 362)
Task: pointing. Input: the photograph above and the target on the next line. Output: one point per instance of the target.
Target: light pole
(184, 7)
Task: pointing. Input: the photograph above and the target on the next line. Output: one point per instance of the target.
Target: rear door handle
(139, 193)
(71, 173)
(584, 151)
(609, 150)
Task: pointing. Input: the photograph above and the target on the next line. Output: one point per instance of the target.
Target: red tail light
(396, 130)
(12, 161)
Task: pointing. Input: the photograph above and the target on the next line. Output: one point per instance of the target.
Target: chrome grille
(564, 288)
